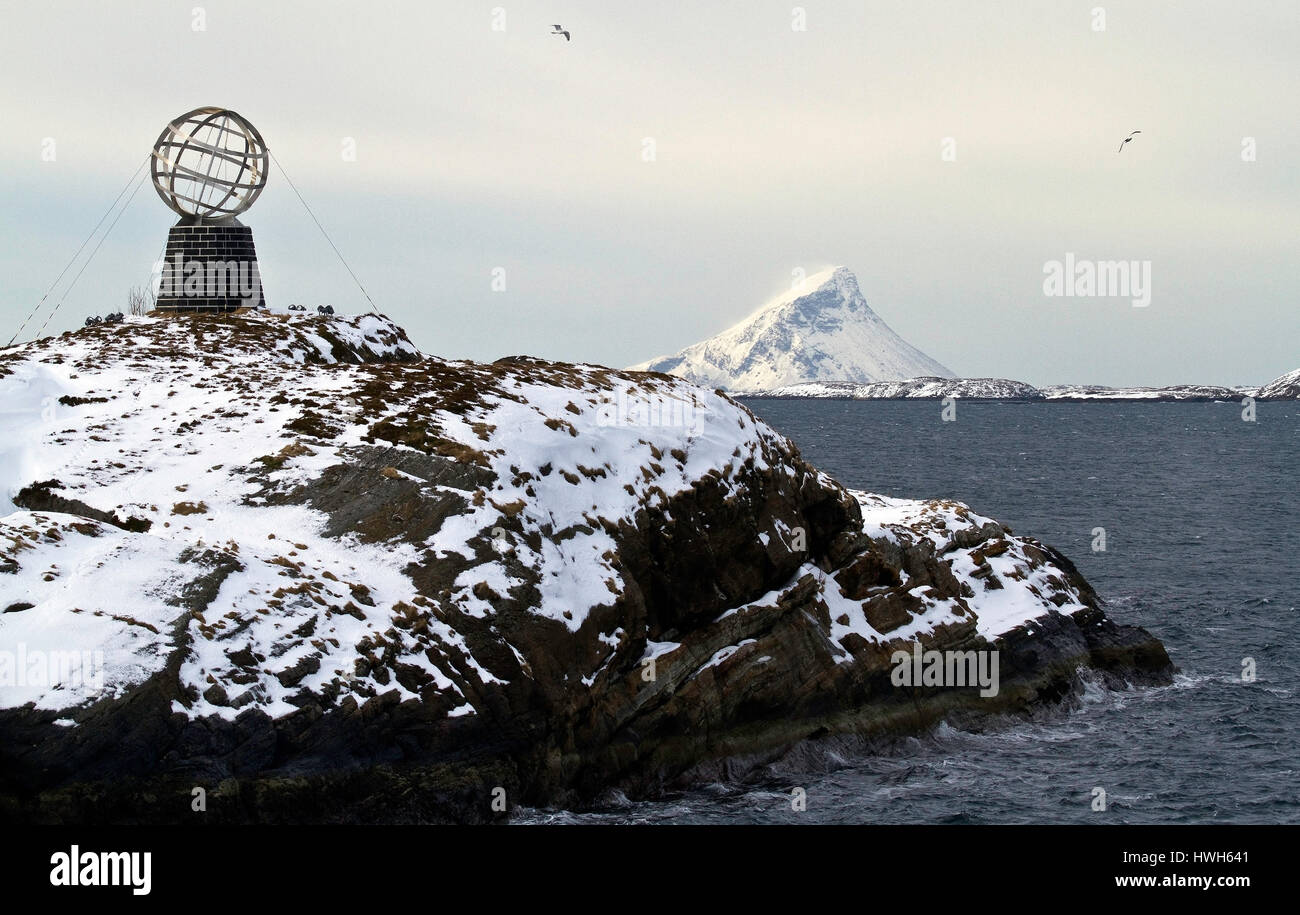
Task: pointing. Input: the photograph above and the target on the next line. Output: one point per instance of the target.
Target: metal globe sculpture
(209, 163)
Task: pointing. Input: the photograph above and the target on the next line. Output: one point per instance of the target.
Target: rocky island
(322, 577)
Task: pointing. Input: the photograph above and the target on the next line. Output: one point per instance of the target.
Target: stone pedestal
(210, 266)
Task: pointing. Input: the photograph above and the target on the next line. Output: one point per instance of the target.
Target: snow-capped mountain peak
(820, 330)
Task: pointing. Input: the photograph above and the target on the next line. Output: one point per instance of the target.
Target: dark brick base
(229, 267)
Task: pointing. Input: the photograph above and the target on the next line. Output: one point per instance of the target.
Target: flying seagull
(1128, 139)
(559, 30)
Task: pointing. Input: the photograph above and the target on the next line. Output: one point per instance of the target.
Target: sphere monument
(209, 165)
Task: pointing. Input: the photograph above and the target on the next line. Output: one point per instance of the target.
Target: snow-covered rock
(1284, 387)
(822, 330)
(1007, 389)
(913, 388)
(1195, 392)
(250, 546)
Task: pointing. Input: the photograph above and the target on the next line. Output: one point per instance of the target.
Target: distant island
(1286, 387)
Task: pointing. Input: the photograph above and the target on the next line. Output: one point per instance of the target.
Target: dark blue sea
(1202, 518)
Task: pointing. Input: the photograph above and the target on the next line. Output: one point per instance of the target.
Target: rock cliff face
(290, 561)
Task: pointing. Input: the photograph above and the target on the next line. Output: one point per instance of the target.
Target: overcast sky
(775, 150)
